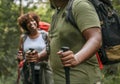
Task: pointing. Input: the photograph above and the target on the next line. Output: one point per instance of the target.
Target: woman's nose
(31, 22)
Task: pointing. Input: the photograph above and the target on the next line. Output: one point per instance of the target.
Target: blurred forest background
(10, 10)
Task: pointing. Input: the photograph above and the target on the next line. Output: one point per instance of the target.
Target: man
(83, 43)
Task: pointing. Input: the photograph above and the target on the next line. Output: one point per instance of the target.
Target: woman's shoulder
(42, 31)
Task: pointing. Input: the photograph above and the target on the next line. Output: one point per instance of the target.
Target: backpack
(109, 53)
(44, 26)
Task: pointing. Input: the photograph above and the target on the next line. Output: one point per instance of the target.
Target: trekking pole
(32, 68)
(67, 69)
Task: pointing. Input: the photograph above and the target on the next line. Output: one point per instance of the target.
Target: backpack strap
(44, 36)
(47, 41)
(107, 2)
(69, 15)
(99, 61)
(100, 8)
(24, 37)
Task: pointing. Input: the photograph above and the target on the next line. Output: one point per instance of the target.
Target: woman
(31, 44)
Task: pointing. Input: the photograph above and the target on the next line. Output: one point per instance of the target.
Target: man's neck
(61, 4)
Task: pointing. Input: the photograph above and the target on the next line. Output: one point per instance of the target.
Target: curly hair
(25, 18)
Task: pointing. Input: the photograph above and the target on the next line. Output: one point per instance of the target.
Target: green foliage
(111, 74)
(8, 31)
(45, 12)
(116, 4)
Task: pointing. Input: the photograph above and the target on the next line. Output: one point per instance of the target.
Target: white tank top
(38, 43)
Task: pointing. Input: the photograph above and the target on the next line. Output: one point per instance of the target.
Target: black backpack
(110, 29)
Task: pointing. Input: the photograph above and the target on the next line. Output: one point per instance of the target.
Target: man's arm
(93, 42)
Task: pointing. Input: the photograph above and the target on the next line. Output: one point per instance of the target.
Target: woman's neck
(34, 34)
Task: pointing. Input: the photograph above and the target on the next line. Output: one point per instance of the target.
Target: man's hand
(67, 58)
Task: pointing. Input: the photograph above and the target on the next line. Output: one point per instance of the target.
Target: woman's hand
(20, 56)
(68, 58)
(32, 56)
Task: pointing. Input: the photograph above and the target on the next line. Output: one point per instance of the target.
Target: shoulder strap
(107, 2)
(47, 41)
(69, 14)
(24, 37)
(44, 36)
(101, 9)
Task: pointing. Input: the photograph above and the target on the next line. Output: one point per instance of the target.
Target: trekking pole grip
(32, 64)
(67, 69)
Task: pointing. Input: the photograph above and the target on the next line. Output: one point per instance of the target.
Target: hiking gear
(110, 27)
(44, 26)
(99, 61)
(67, 69)
(32, 64)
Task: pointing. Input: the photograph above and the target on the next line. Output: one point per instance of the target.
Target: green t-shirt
(62, 33)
